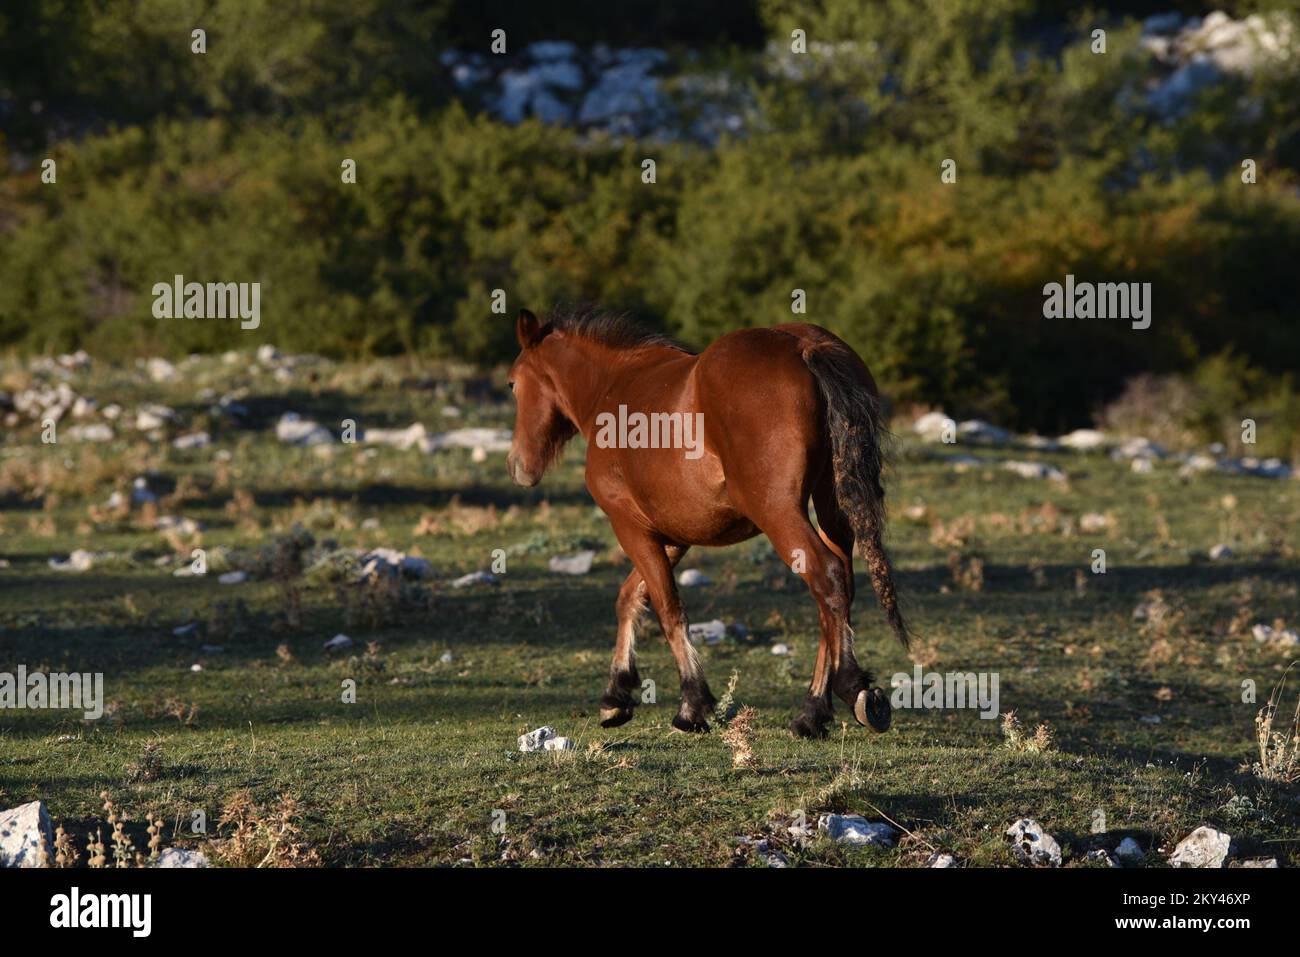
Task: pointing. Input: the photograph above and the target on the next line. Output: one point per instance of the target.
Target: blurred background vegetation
(226, 166)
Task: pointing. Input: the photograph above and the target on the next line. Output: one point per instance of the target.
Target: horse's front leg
(619, 701)
(655, 559)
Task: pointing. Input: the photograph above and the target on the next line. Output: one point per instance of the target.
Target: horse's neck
(593, 374)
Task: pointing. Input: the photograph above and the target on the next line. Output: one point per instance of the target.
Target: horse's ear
(528, 329)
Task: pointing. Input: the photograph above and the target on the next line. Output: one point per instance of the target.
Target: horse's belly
(696, 515)
(724, 528)
(684, 500)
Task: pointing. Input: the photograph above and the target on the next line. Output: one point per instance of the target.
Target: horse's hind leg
(850, 682)
(827, 576)
(616, 707)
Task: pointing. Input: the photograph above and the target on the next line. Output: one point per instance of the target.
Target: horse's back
(773, 350)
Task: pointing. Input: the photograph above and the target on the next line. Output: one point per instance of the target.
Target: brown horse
(787, 414)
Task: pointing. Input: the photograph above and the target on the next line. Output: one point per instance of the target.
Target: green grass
(413, 772)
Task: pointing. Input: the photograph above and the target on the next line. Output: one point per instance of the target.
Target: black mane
(614, 329)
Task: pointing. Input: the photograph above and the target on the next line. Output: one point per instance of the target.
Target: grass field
(1147, 719)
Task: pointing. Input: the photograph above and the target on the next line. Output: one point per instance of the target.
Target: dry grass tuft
(1279, 750)
(738, 736)
(1014, 736)
(263, 837)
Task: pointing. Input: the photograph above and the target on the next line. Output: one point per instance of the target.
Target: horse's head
(541, 427)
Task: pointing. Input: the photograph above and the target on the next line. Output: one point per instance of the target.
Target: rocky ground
(315, 598)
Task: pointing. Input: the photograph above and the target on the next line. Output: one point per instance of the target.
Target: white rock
(801, 834)
(339, 642)
(692, 578)
(623, 91)
(184, 526)
(1196, 464)
(150, 417)
(447, 658)
(178, 857)
(544, 50)
(1129, 850)
(578, 564)
(23, 830)
(1204, 847)
(476, 578)
(855, 829)
(1220, 552)
(267, 354)
(1280, 637)
(933, 425)
(780, 648)
(1102, 856)
(79, 561)
(90, 432)
(982, 433)
(293, 429)
(536, 740)
(1030, 844)
(233, 578)
(490, 440)
(1137, 447)
(557, 744)
(182, 630)
(1091, 522)
(160, 370)
(1259, 862)
(408, 438)
(1083, 440)
(1035, 470)
(194, 440)
(389, 561)
(941, 860)
(711, 632)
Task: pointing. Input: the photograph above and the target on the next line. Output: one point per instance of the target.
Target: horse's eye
(511, 383)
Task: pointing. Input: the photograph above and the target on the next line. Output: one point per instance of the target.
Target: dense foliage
(227, 167)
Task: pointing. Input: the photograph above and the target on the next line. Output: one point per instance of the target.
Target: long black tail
(853, 418)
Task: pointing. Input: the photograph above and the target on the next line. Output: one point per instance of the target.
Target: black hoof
(611, 716)
(805, 726)
(683, 723)
(872, 709)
